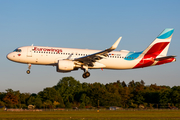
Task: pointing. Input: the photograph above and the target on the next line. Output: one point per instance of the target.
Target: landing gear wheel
(28, 71)
(86, 74)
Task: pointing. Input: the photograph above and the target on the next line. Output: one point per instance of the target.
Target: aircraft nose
(9, 56)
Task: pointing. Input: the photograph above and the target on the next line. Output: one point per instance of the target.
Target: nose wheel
(86, 74)
(28, 71)
(29, 67)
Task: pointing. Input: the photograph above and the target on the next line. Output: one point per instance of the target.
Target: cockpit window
(17, 50)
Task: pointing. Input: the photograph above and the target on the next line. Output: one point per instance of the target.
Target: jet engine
(65, 66)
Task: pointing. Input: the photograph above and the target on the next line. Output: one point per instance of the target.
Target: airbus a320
(70, 59)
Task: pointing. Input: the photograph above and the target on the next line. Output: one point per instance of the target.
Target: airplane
(70, 59)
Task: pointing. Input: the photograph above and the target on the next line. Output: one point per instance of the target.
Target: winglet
(114, 46)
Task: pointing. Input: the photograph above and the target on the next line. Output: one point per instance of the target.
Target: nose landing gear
(29, 67)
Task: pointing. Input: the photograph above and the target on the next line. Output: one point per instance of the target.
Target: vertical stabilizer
(160, 46)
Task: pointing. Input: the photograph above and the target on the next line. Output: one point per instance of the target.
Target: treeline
(70, 93)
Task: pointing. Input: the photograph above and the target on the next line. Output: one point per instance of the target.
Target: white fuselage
(49, 56)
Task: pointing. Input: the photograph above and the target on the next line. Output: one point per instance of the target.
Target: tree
(124, 84)
(10, 98)
(82, 105)
(68, 104)
(55, 103)
(69, 93)
(48, 104)
(24, 97)
(49, 94)
(31, 100)
(38, 102)
(139, 92)
(2, 103)
(125, 96)
(97, 92)
(2, 95)
(165, 97)
(112, 88)
(85, 100)
(131, 85)
(175, 95)
(68, 87)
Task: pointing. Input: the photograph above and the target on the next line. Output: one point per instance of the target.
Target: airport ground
(128, 114)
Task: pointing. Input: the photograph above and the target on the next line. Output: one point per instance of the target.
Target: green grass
(92, 115)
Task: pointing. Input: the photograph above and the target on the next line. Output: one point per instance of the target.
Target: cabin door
(29, 52)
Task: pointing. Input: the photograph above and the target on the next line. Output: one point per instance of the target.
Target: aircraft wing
(89, 59)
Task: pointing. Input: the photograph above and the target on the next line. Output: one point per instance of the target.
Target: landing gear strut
(29, 67)
(86, 73)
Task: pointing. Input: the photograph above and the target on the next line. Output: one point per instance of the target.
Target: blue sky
(92, 24)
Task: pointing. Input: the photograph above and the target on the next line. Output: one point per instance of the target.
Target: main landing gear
(29, 67)
(86, 73)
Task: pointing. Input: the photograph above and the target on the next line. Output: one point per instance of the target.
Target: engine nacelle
(65, 66)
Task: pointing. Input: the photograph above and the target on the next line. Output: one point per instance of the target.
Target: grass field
(92, 115)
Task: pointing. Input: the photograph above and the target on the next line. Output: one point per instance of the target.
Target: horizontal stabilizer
(164, 58)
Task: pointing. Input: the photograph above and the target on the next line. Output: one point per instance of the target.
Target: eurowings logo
(47, 50)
